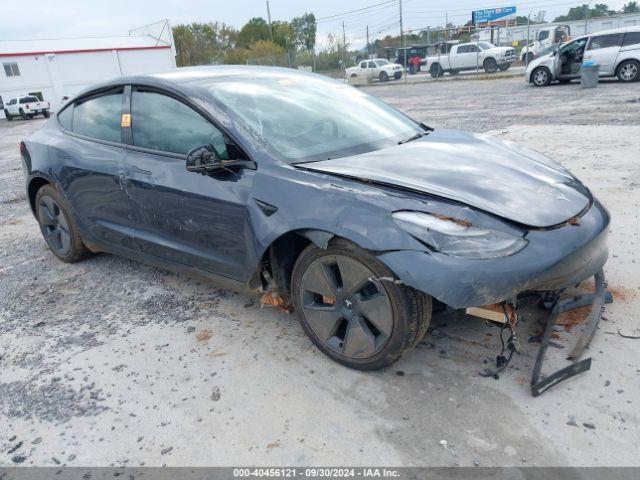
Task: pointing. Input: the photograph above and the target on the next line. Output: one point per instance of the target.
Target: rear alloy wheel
(57, 225)
(7, 115)
(490, 65)
(629, 71)
(24, 115)
(541, 77)
(384, 76)
(46, 114)
(352, 315)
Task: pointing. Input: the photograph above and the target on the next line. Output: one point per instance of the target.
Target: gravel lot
(111, 362)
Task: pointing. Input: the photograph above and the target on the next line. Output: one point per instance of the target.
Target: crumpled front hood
(499, 177)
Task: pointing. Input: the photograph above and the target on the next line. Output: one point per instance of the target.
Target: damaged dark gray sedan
(338, 206)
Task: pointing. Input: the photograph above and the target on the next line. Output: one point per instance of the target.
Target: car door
(364, 71)
(569, 58)
(91, 154)
(184, 217)
(373, 69)
(603, 50)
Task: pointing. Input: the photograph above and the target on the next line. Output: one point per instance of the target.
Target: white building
(62, 67)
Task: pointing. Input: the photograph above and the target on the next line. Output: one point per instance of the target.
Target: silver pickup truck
(469, 56)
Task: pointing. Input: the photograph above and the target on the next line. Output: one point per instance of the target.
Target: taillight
(27, 106)
(48, 105)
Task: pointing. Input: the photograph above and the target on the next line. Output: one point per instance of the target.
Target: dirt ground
(111, 362)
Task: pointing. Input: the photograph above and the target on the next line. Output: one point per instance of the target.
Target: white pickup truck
(469, 56)
(26, 107)
(378, 68)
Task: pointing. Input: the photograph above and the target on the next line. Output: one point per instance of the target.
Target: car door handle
(140, 170)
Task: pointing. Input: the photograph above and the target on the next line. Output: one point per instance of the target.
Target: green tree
(631, 7)
(253, 31)
(579, 13)
(304, 31)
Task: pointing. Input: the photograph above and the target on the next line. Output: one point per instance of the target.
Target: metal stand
(597, 300)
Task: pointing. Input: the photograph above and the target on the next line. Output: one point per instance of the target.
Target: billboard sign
(492, 14)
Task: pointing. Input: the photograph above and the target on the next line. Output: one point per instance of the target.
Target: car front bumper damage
(554, 260)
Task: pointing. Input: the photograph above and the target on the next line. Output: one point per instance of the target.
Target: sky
(82, 18)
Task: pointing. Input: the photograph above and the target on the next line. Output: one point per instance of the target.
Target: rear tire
(58, 226)
(490, 65)
(351, 315)
(628, 71)
(7, 115)
(436, 70)
(47, 114)
(24, 115)
(541, 77)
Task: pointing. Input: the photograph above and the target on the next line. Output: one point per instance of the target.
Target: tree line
(216, 42)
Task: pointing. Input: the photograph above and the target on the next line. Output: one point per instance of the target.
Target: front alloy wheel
(541, 77)
(351, 311)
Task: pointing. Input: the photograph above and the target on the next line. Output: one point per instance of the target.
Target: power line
(356, 10)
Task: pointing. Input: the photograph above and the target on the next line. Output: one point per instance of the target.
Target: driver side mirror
(206, 159)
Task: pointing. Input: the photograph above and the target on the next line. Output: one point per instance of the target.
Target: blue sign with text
(491, 14)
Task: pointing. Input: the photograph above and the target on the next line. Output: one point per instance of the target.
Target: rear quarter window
(65, 117)
(99, 117)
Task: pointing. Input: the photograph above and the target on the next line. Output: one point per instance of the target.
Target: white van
(617, 52)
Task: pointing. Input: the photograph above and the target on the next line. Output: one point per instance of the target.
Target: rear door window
(631, 38)
(162, 123)
(605, 41)
(99, 117)
(28, 100)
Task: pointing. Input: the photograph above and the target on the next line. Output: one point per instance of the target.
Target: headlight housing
(458, 238)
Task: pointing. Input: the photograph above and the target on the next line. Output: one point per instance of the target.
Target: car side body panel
(222, 225)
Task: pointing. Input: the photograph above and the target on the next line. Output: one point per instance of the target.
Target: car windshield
(486, 45)
(382, 62)
(302, 118)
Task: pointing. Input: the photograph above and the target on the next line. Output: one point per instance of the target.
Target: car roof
(191, 79)
(635, 28)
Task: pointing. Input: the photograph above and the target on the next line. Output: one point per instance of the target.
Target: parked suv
(617, 52)
(27, 106)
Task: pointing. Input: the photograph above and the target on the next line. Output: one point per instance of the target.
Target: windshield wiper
(427, 131)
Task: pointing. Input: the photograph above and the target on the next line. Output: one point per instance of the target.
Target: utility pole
(586, 18)
(368, 49)
(404, 43)
(344, 48)
(446, 26)
(528, 55)
(269, 18)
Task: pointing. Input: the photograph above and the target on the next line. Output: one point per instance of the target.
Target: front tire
(352, 310)
(46, 114)
(541, 77)
(629, 71)
(504, 68)
(383, 76)
(58, 226)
